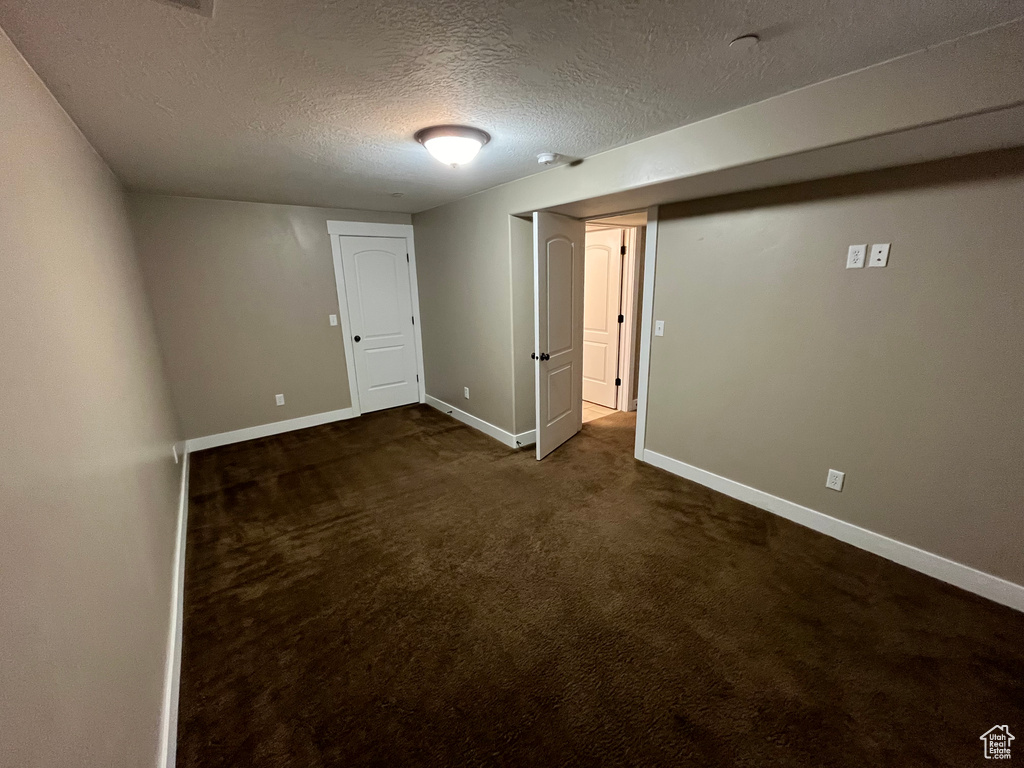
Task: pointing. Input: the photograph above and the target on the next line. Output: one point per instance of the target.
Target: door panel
(595, 361)
(560, 394)
(377, 287)
(602, 286)
(560, 263)
(558, 307)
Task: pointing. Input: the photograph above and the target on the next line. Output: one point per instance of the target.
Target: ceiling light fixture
(453, 145)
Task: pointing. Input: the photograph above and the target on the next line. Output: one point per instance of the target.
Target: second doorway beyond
(611, 316)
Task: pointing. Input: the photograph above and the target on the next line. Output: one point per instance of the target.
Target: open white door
(602, 287)
(558, 263)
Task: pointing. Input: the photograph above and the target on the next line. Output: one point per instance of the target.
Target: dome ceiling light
(453, 145)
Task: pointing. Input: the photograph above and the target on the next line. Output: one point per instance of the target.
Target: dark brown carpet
(400, 590)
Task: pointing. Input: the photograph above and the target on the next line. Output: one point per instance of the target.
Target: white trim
(646, 328)
(417, 330)
(172, 675)
(346, 325)
(630, 292)
(265, 430)
(339, 229)
(980, 583)
(499, 434)
(368, 229)
(526, 439)
(536, 326)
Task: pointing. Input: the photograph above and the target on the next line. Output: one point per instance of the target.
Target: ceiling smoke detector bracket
(198, 7)
(745, 42)
(547, 158)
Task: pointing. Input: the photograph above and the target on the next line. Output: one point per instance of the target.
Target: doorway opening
(587, 318)
(613, 272)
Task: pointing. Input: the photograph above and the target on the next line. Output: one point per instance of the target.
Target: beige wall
(88, 488)
(463, 270)
(241, 293)
(778, 363)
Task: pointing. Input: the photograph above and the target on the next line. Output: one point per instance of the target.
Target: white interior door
(602, 290)
(558, 244)
(377, 288)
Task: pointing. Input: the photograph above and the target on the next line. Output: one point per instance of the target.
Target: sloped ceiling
(315, 103)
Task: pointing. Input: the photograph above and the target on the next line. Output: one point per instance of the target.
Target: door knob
(545, 356)
(357, 338)
(533, 355)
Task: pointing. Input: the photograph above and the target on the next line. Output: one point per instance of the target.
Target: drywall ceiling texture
(315, 103)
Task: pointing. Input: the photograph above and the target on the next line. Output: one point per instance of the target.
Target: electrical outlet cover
(835, 480)
(279, 399)
(465, 392)
(855, 256)
(879, 255)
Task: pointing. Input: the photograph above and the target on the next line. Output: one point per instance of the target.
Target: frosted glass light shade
(452, 145)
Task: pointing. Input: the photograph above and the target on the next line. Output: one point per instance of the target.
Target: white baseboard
(524, 439)
(265, 430)
(506, 438)
(172, 674)
(938, 567)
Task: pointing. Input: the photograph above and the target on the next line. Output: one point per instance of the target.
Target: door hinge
(622, 250)
(407, 258)
(622, 318)
(417, 377)
(618, 382)
(414, 319)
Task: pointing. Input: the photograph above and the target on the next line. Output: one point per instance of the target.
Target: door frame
(627, 332)
(339, 229)
(646, 330)
(622, 261)
(650, 257)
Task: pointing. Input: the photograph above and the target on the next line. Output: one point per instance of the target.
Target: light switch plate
(855, 256)
(333, 319)
(279, 399)
(659, 327)
(835, 480)
(465, 392)
(879, 255)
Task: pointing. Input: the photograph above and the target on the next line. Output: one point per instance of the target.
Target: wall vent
(201, 7)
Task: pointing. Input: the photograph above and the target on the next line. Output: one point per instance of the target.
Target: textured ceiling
(296, 101)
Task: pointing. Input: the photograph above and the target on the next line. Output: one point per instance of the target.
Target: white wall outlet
(855, 256)
(465, 392)
(333, 319)
(659, 327)
(835, 480)
(879, 255)
(279, 399)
